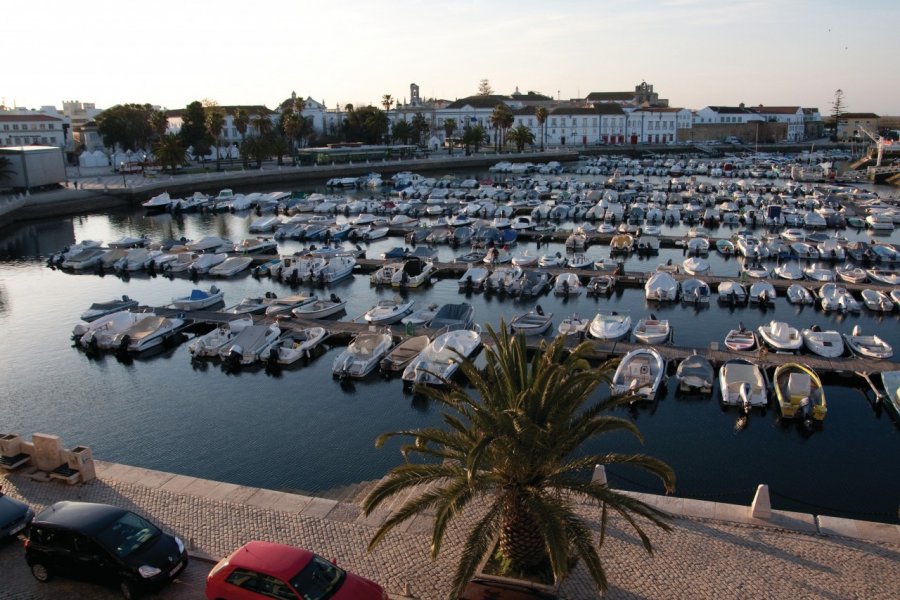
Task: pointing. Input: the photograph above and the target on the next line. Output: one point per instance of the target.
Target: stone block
(47, 451)
(319, 507)
(761, 508)
(10, 444)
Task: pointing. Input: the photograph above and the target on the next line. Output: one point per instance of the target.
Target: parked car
(104, 544)
(14, 516)
(267, 570)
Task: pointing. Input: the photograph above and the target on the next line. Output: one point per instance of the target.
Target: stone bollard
(762, 506)
(599, 475)
(47, 451)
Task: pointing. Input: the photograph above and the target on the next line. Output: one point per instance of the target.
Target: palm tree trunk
(520, 538)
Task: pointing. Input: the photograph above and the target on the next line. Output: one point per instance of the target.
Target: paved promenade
(716, 550)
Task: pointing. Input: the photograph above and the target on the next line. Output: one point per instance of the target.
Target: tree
(420, 128)
(293, 125)
(255, 148)
(6, 169)
(194, 132)
(502, 119)
(365, 124)
(170, 151)
(387, 101)
(401, 131)
(126, 126)
(837, 111)
(512, 453)
(159, 124)
(262, 123)
(521, 136)
(449, 128)
(278, 146)
(215, 120)
(474, 136)
(541, 115)
(484, 88)
(241, 121)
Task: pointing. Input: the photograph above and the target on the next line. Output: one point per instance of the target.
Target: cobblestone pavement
(702, 558)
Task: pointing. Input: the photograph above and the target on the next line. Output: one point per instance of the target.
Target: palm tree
(541, 114)
(401, 131)
(387, 101)
(512, 455)
(520, 136)
(479, 135)
(502, 119)
(215, 120)
(170, 151)
(293, 127)
(6, 169)
(241, 121)
(159, 123)
(262, 123)
(449, 128)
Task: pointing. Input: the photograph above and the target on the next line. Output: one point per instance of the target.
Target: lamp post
(122, 168)
(143, 163)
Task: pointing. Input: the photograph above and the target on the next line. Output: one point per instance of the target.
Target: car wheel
(40, 572)
(128, 589)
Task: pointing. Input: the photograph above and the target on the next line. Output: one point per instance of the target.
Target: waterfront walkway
(715, 551)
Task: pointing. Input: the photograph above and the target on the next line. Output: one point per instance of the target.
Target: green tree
(255, 148)
(513, 453)
(420, 128)
(401, 131)
(170, 152)
(387, 101)
(126, 126)
(502, 119)
(838, 109)
(194, 132)
(262, 123)
(159, 124)
(278, 146)
(484, 88)
(449, 129)
(541, 115)
(215, 120)
(6, 169)
(474, 136)
(520, 136)
(241, 120)
(294, 126)
(366, 124)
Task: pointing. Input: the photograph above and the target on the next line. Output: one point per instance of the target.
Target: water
(301, 430)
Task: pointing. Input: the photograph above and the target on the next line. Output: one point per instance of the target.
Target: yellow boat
(799, 392)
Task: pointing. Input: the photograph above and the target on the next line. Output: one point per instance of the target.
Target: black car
(103, 543)
(14, 516)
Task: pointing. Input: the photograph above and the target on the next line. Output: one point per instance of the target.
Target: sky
(695, 53)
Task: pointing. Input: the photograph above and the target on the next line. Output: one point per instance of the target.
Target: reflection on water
(297, 428)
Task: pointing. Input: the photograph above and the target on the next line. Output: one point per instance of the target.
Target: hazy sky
(695, 52)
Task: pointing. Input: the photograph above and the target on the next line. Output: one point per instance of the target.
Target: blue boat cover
(198, 295)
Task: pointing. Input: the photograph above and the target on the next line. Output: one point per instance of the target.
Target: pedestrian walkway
(715, 551)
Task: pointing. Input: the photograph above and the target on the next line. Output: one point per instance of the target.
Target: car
(488, 588)
(15, 516)
(104, 544)
(269, 570)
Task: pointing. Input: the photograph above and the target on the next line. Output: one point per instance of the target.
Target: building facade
(31, 128)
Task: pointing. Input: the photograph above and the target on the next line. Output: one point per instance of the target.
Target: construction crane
(880, 142)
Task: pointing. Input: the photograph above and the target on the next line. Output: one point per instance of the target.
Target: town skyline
(696, 53)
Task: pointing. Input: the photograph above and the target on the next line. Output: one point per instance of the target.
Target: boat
(799, 392)
(895, 297)
(209, 244)
(256, 246)
(732, 293)
(423, 316)
(622, 243)
(398, 358)
(231, 266)
(754, 271)
(741, 384)
(440, 359)
(203, 263)
(740, 339)
(552, 260)
(639, 374)
(884, 276)
(891, 382)
(695, 291)
(573, 325)
(129, 241)
(208, 345)
(249, 344)
(147, 333)
(250, 305)
(870, 346)
(580, 261)
(412, 274)
(695, 374)
(819, 272)
(293, 345)
(789, 270)
(362, 355)
(601, 285)
(530, 283)
(86, 259)
(877, 301)
(135, 260)
(320, 308)
(797, 294)
(652, 330)
(836, 297)
(609, 326)
(279, 306)
(647, 245)
(451, 317)
(829, 344)
(388, 311)
(101, 309)
(695, 265)
(199, 299)
(725, 247)
(576, 241)
(851, 273)
(100, 333)
(661, 287)
(780, 336)
(182, 262)
(762, 293)
(526, 259)
(158, 203)
(534, 322)
(473, 279)
(567, 284)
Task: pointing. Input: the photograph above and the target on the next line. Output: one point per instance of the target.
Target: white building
(793, 116)
(719, 115)
(652, 125)
(31, 128)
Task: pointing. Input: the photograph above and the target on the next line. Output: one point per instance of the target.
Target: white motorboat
(661, 287)
(266, 223)
(249, 344)
(741, 384)
(884, 276)
(567, 284)
(580, 261)
(280, 306)
(789, 270)
(454, 316)
(850, 273)
(440, 359)
(526, 259)
(639, 374)
(652, 330)
(530, 283)
(158, 203)
(414, 273)
(762, 293)
(362, 355)
(574, 325)
(695, 291)
(891, 382)
(231, 266)
(829, 344)
(129, 241)
(101, 309)
(182, 262)
(256, 246)
(147, 333)
(870, 346)
(86, 259)
(423, 316)
(695, 374)
(101, 333)
(895, 297)
(320, 309)
(473, 279)
(403, 353)
(534, 322)
(797, 294)
(818, 272)
(622, 243)
(136, 259)
(294, 345)
(552, 260)
(780, 336)
(210, 245)
(877, 301)
(740, 339)
(199, 299)
(388, 311)
(205, 262)
(732, 293)
(610, 326)
(384, 274)
(695, 265)
(836, 297)
(208, 345)
(601, 285)
(335, 269)
(754, 271)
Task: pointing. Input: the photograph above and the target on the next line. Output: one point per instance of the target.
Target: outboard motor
(744, 394)
(233, 360)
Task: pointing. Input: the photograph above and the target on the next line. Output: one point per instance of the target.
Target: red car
(266, 570)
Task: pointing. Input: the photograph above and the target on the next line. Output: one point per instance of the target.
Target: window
(15, 126)
(49, 125)
(6, 127)
(275, 588)
(244, 579)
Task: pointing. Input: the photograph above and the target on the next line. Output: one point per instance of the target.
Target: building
(643, 95)
(652, 125)
(31, 128)
(792, 116)
(848, 126)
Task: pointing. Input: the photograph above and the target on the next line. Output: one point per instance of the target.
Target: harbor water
(299, 429)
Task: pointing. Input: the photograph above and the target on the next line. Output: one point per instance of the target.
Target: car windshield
(127, 534)
(318, 580)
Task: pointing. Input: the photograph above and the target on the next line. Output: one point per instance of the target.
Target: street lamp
(122, 168)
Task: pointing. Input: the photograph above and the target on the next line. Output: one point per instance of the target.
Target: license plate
(174, 571)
